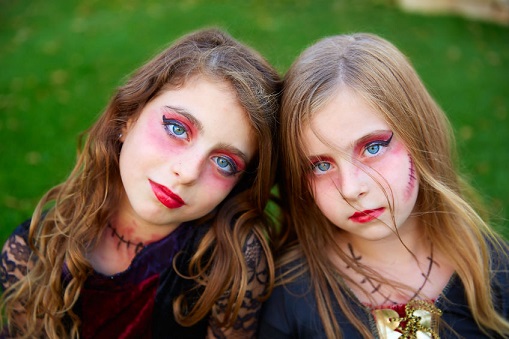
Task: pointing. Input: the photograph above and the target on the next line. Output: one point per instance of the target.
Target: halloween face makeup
(184, 153)
(360, 171)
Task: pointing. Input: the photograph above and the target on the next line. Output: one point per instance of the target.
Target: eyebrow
(188, 116)
(197, 123)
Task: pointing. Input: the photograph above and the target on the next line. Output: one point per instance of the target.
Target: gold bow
(417, 322)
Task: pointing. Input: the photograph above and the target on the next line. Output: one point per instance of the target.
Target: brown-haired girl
(383, 238)
(159, 231)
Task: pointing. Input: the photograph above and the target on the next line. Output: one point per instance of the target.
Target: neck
(405, 247)
(394, 269)
(407, 259)
(128, 225)
(137, 246)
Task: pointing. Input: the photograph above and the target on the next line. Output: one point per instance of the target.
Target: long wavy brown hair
(71, 216)
(375, 69)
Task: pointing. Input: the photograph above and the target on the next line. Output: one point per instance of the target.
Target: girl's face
(358, 168)
(184, 153)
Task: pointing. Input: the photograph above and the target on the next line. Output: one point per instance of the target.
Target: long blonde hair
(79, 208)
(382, 75)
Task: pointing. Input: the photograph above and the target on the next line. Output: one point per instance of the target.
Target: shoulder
(499, 255)
(256, 273)
(290, 310)
(500, 281)
(253, 250)
(21, 230)
(19, 237)
(293, 291)
(15, 256)
(257, 268)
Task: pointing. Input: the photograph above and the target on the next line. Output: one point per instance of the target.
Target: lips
(166, 196)
(367, 215)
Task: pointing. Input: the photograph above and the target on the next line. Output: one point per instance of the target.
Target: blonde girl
(383, 238)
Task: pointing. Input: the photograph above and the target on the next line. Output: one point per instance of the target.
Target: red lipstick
(166, 196)
(367, 215)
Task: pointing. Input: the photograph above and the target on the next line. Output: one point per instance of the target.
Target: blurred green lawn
(61, 60)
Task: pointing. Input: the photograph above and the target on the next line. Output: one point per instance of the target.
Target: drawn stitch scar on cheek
(411, 178)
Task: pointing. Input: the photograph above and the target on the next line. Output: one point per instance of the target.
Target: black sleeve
(15, 256)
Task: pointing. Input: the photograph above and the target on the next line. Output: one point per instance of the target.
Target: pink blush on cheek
(215, 182)
(157, 138)
(392, 161)
(395, 166)
(400, 154)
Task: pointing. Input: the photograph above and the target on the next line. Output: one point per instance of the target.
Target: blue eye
(225, 165)
(377, 147)
(321, 167)
(221, 162)
(373, 148)
(175, 128)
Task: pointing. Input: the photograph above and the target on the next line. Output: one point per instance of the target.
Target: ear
(125, 130)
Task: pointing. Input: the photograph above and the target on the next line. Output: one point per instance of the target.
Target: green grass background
(60, 61)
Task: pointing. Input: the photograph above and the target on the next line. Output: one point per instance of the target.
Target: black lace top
(137, 303)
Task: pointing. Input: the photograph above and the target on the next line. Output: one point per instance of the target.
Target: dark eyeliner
(170, 125)
(388, 141)
(383, 143)
(231, 163)
(167, 121)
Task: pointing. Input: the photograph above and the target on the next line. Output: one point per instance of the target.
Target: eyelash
(315, 167)
(234, 168)
(171, 124)
(378, 143)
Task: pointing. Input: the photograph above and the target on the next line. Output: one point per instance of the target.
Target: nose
(353, 181)
(188, 168)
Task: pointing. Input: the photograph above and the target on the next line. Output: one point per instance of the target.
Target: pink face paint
(239, 161)
(378, 140)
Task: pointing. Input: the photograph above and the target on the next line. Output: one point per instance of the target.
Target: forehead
(344, 119)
